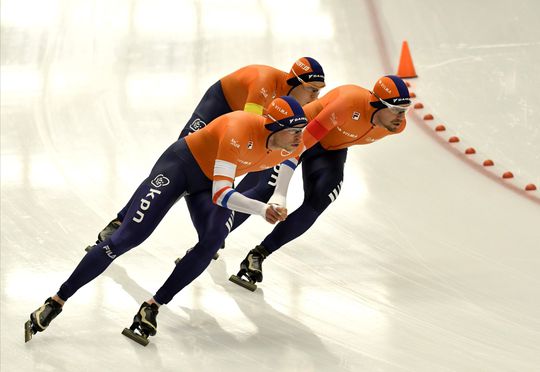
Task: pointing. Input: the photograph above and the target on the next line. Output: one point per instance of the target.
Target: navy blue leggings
(175, 173)
(322, 174)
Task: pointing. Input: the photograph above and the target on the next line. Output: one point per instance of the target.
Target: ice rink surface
(423, 263)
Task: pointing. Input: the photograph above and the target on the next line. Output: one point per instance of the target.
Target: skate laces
(257, 258)
(54, 304)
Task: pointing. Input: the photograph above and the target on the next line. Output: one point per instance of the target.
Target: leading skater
(347, 115)
(203, 164)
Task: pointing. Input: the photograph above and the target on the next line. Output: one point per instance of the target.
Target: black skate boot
(106, 232)
(144, 324)
(215, 257)
(41, 318)
(251, 269)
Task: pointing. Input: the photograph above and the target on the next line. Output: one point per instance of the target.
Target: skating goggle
(277, 125)
(313, 89)
(394, 109)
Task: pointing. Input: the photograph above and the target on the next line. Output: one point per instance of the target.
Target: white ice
(424, 262)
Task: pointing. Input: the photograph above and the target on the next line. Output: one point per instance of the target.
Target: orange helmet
(389, 91)
(284, 112)
(305, 70)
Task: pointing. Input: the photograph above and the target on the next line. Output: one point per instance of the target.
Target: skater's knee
(217, 233)
(125, 240)
(319, 200)
(115, 249)
(206, 248)
(317, 204)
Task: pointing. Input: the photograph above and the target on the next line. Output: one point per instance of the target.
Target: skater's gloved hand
(275, 213)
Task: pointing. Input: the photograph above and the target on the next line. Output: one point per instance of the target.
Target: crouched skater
(203, 164)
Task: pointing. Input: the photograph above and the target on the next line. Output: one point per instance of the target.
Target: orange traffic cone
(406, 67)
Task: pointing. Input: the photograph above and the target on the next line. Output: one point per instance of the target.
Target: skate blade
(141, 340)
(28, 331)
(243, 283)
(89, 248)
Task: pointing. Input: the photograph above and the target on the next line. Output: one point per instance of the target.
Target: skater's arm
(314, 132)
(225, 165)
(323, 120)
(286, 171)
(224, 195)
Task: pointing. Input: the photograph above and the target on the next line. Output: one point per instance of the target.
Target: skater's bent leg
(120, 216)
(295, 225)
(91, 266)
(321, 189)
(155, 199)
(197, 259)
(199, 211)
(129, 235)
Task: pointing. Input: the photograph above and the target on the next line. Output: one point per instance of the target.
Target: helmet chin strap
(269, 141)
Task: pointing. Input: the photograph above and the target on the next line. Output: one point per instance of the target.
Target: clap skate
(41, 318)
(144, 324)
(106, 232)
(251, 269)
(215, 257)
